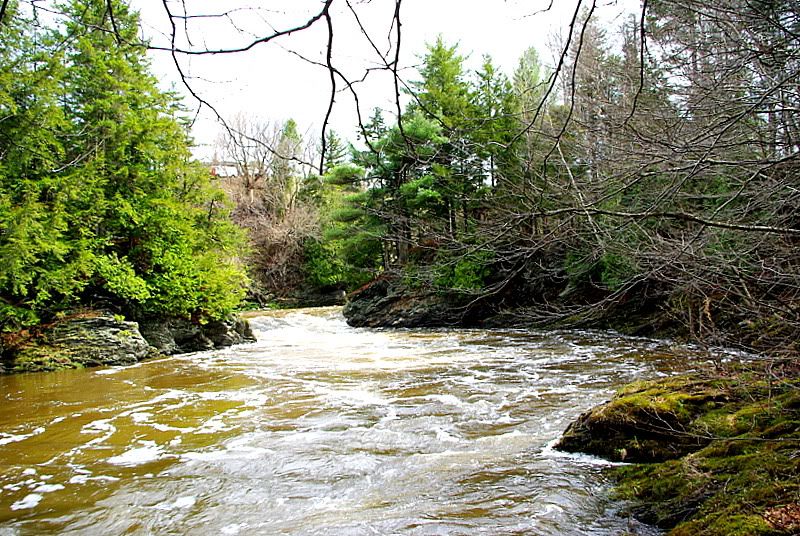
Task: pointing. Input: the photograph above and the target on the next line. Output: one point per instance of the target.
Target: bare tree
(260, 168)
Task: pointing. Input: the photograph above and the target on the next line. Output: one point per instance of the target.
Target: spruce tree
(100, 200)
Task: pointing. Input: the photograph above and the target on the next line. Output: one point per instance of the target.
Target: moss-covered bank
(717, 452)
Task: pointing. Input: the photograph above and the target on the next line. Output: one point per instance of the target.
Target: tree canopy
(100, 199)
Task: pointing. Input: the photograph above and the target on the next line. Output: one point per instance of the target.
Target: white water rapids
(319, 428)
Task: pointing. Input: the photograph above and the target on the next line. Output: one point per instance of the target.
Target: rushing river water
(319, 428)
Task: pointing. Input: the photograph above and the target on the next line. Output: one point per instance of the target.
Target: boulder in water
(646, 422)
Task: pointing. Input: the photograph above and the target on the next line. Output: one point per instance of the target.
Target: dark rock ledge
(387, 302)
(179, 336)
(98, 338)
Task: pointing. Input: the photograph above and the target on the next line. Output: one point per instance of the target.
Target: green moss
(38, 358)
(749, 468)
(733, 525)
(648, 421)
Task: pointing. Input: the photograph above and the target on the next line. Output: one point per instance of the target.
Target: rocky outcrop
(318, 297)
(81, 341)
(92, 339)
(385, 302)
(720, 447)
(178, 335)
(645, 422)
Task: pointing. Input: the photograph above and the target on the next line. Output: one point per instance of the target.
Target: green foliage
(443, 91)
(463, 272)
(497, 109)
(98, 193)
(615, 269)
(339, 259)
(345, 174)
(431, 174)
(608, 269)
(349, 252)
(347, 214)
(120, 278)
(420, 194)
(324, 265)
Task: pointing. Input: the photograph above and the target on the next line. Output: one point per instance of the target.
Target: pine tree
(335, 151)
(496, 107)
(445, 96)
(42, 264)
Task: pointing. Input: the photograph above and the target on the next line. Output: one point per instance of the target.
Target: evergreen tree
(100, 197)
(42, 263)
(375, 127)
(350, 251)
(497, 122)
(445, 96)
(335, 151)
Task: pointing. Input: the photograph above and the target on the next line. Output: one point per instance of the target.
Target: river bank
(389, 301)
(715, 452)
(92, 338)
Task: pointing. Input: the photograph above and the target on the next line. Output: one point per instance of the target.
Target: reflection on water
(319, 428)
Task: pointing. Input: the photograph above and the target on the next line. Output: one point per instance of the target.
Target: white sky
(270, 83)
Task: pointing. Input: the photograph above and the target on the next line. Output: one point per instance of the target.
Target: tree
(42, 262)
(496, 108)
(275, 199)
(444, 95)
(403, 179)
(349, 251)
(116, 212)
(246, 146)
(336, 151)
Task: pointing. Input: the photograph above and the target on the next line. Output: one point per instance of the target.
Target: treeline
(648, 172)
(653, 173)
(101, 203)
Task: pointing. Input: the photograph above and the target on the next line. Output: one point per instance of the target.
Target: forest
(646, 181)
(650, 173)
(642, 177)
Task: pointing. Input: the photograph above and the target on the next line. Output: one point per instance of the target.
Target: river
(319, 428)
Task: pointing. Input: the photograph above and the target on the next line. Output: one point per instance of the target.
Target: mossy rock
(84, 340)
(751, 491)
(742, 474)
(646, 422)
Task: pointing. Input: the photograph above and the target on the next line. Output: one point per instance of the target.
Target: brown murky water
(320, 428)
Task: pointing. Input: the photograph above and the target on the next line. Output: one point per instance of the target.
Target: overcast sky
(272, 83)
